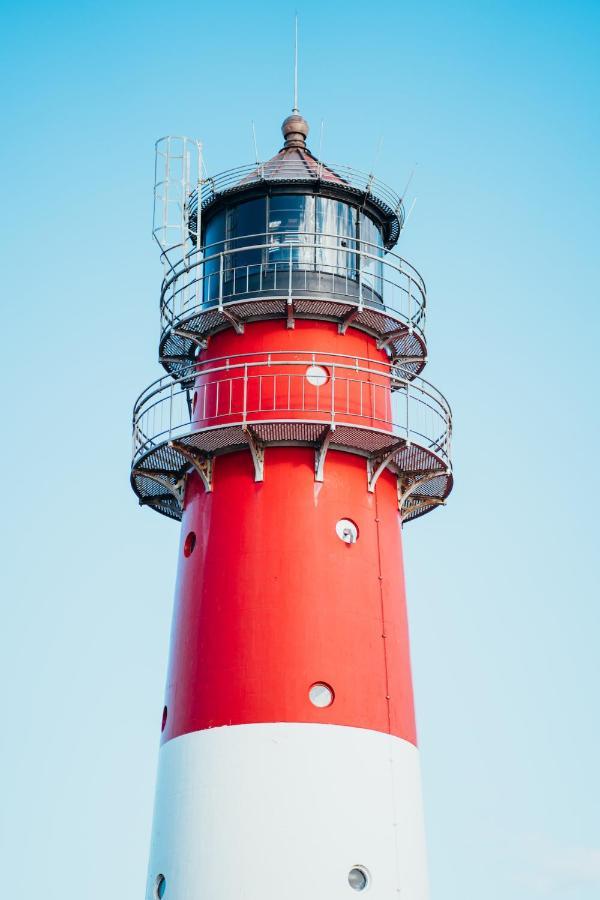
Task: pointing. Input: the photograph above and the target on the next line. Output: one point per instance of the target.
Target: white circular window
(160, 886)
(358, 878)
(321, 695)
(347, 531)
(317, 375)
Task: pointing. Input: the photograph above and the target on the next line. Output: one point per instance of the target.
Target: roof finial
(295, 127)
(295, 107)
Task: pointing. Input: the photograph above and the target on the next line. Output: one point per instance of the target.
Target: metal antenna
(410, 178)
(412, 206)
(295, 108)
(255, 144)
(321, 138)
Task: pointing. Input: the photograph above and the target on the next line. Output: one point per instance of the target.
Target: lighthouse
(293, 436)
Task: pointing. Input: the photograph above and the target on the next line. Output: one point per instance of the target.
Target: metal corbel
(257, 449)
(196, 339)
(399, 361)
(176, 358)
(290, 320)
(378, 462)
(406, 489)
(321, 452)
(237, 324)
(175, 487)
(347, 320)
(156, 501)
(391, 336)
(201, 463)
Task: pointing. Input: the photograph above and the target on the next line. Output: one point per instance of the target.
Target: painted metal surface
(264, 812)
(271, 600)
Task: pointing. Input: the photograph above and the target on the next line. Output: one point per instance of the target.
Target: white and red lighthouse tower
(292, 436)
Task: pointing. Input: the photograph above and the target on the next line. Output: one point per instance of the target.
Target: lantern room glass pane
(290, 228)
(336, 228)
(214, 237)
(245, 222)
(245, 227)
(371, 257)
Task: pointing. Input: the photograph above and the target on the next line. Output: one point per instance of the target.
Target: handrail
(416, 410)
(384, 281)
(290, 170)
(374, 250)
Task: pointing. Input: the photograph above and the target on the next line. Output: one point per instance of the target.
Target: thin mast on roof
(295, 107)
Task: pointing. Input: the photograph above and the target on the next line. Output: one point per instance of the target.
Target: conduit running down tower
(292, 435)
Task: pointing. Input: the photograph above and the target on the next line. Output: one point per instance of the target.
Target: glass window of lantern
(336, 227)
(290, 226)
(245, 220)
(214, 235)
(371, 257)
(245, 227)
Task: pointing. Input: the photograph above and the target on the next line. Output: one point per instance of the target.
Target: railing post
(409, 300)
(245, 393)
(171, 411)
(360, 283)
(333, 396)
(290, 277)
(407, 408)
(221, 281)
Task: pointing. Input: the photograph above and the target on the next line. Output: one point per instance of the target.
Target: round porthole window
(160, 886)
(189, 544)
(358, 878)
(317, 375)
(347, 531)
(321, 695)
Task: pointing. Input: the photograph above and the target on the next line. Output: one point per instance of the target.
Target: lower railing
(311, 387)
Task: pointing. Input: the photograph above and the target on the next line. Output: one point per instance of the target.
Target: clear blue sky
(498, 103)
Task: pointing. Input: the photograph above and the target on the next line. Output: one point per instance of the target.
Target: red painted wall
(271, 600)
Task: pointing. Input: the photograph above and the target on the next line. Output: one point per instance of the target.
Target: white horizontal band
(284, 811)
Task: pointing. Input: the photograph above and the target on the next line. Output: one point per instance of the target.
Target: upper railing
(333, 270)
(296, 170)
(180, 180)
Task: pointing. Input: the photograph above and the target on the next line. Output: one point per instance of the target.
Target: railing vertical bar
(221, 258)
(333, 374)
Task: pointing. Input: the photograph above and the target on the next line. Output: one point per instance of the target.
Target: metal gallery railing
(327, 267)
(292, 387)
(290, 169)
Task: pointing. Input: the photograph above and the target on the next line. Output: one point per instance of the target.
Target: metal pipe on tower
(292, 435)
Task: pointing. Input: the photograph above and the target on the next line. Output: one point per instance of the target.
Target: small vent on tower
(190, 543)
(347, 531)
(358, 878)
(317, 375)
(160, 886)
(321, 695)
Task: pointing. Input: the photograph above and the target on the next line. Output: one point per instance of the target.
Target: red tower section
(292, 435)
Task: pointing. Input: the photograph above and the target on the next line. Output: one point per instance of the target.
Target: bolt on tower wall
(292, 436)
